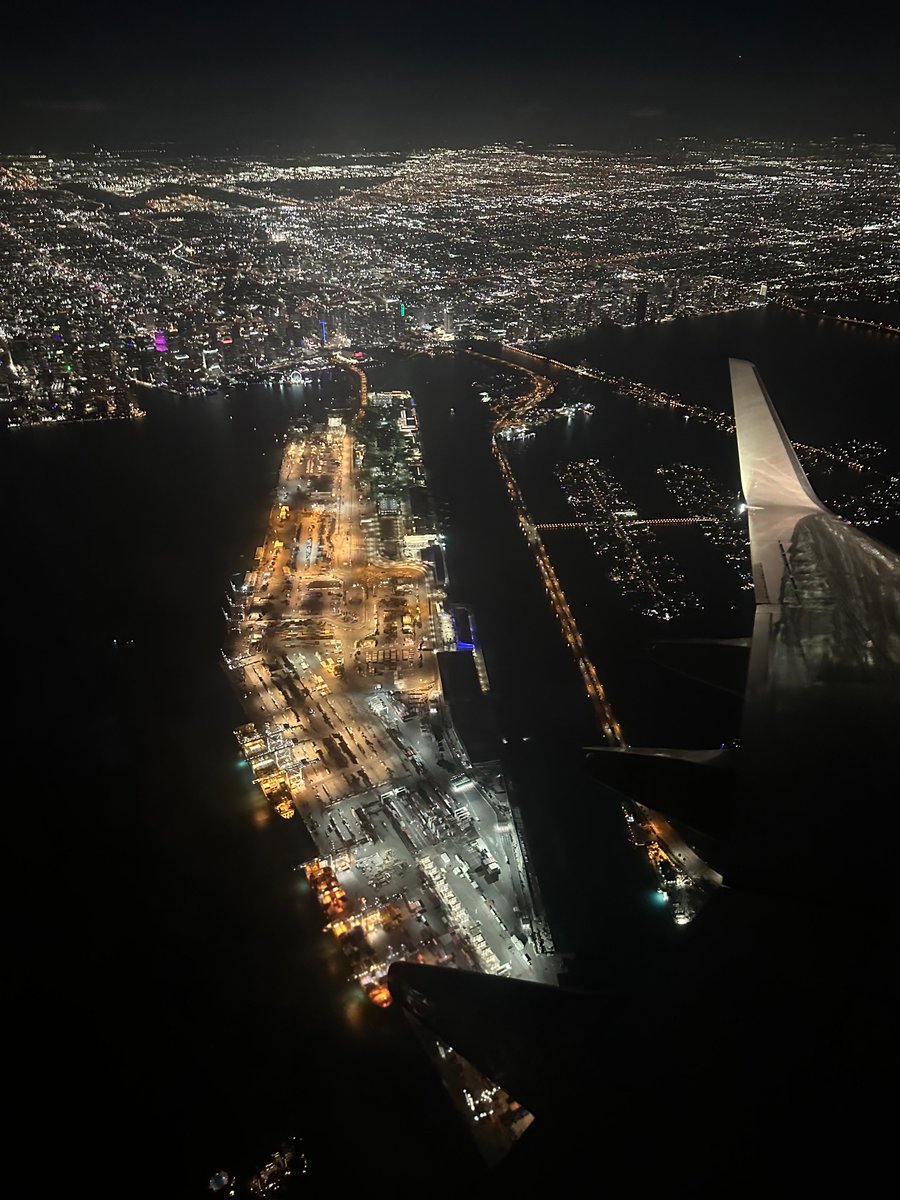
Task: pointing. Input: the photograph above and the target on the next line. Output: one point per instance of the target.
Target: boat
(288, 1159)
(376, 990)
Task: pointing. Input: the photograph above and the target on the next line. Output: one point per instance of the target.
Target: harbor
(369, 720)
(207, 873)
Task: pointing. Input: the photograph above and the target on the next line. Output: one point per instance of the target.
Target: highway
(687, 869)
(517, 411)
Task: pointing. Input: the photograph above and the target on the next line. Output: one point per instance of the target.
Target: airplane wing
(822, 705)
(770, 1022)
(821, 711)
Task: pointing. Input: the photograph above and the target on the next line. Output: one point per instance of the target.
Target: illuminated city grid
(192, 272)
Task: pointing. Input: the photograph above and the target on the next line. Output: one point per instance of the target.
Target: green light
(402, 309)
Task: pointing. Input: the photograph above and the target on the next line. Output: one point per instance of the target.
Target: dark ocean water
(828, 387)
(183, 1010)
(179, 1008)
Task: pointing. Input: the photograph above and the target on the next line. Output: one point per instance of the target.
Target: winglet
(771, 476)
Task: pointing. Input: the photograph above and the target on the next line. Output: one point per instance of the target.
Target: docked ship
(263, 760)
(285, 1166)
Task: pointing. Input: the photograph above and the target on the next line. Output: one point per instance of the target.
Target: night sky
(295, 76)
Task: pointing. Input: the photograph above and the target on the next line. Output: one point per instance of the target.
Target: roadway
(366, 774)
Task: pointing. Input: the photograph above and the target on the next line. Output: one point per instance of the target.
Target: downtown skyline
(188, 272)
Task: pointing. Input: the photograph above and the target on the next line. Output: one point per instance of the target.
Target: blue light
(465, 645)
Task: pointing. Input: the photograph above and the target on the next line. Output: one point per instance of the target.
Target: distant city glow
(534, 245)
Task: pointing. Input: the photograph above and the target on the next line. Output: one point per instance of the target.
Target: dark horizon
(662, 145)
(353, 78)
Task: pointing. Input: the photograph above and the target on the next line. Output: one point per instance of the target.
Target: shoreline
(337, 651)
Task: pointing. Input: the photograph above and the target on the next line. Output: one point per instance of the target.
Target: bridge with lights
(699, 520)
